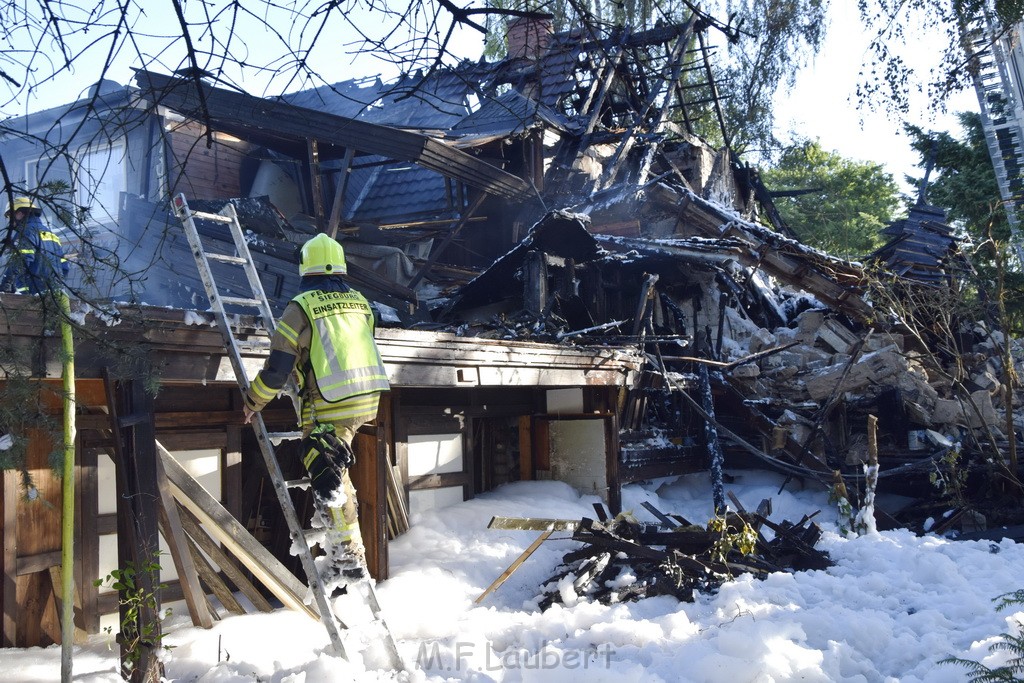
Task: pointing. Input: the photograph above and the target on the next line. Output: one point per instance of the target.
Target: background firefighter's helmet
(322, 255)
(21, 204)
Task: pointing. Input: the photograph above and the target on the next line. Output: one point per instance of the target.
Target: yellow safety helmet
(322, 255)
(21, 204)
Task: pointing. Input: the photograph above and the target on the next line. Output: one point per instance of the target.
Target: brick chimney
(528, 38)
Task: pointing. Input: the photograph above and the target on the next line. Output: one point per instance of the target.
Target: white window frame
(89, 194)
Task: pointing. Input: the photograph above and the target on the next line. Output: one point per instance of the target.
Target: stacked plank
(623, 559)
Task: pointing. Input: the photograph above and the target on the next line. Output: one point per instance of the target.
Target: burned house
(564, 270)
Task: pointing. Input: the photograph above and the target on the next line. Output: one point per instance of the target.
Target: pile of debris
(622, 559)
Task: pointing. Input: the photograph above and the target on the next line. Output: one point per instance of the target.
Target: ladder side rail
(1002, 70)
(242, 247)
(297, 534)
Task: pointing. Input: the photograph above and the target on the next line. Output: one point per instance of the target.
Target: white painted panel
(106, 485)
(204, 466)
(578, 455)
(421, 500)
(561, 401)
(434, 454)
(108, 557)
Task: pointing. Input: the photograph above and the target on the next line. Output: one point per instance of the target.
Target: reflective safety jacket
(324, 339)
(39, 260)
(343, 355)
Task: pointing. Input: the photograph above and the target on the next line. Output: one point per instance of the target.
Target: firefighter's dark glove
(343, 455)
(324, 474)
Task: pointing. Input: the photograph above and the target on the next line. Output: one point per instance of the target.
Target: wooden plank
(12, 487)
(181, 552)
(209, 576)
(533, 524)
(611, 460)
(223, 560)
(35, 596)
(514, 566)
(371, 494)
(525, 449)
(666, 521)
(87, 535)
(437, 481)
(193, 441)
(218, 521)
(30, 564)
(106, 524)
(542, 447)
(55, 581)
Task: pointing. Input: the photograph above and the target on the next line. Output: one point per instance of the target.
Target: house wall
(200, 440)
(203, 167)
(96, 158)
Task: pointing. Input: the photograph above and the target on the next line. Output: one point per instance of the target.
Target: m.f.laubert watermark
(467, 655)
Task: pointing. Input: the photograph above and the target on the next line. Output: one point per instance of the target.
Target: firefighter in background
(37, 262)
(325, 340)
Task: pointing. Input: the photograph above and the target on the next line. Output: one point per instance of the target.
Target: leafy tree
(893, 71)
(847, 204)
(775, 40)
(964, 183)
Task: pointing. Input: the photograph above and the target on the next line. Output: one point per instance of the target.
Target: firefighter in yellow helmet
(36, 262)
(325, 340)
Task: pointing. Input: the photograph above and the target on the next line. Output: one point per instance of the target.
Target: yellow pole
(67, 556)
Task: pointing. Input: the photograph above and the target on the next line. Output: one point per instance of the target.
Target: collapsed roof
(655, 238)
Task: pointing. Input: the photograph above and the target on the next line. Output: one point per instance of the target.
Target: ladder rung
(254, 345)
(226, 258)
(297, 483)
(219, 218)
(278, 437)
(241, 301)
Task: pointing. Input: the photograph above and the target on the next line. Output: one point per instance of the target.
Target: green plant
(950, 477)
(837, 494)
(1011, 642)
(140, 627)
(742, 538)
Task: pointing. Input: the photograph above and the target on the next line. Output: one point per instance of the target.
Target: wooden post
(12, 489)
(339, 195)
(315, 184)
(711, 440)
(525, 448)
(131, 416)
(535, 282)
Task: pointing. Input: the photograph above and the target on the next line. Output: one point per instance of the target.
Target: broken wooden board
(533, 524)
(229, 531)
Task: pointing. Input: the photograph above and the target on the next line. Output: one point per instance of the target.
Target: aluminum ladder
(258, 300)
(997, 86)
